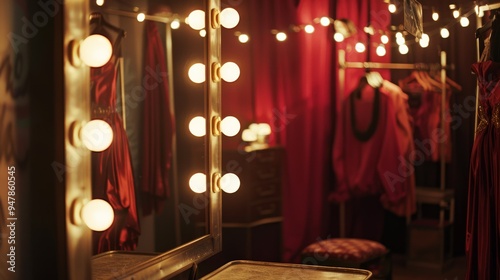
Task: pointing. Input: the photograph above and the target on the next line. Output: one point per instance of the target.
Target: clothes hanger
(483, 29)
(98, 18)
(415, 76)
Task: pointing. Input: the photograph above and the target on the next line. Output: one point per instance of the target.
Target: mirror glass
(145, 94)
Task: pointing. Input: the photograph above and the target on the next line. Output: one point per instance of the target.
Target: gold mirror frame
(78, 181)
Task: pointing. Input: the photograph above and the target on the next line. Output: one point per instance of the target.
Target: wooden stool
(350, 252)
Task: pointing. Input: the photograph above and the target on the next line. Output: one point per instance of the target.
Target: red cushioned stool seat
(350, 252)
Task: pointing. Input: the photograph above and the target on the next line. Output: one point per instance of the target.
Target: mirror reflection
(141, 89)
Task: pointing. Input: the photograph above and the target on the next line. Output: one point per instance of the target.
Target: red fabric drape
(292, 82)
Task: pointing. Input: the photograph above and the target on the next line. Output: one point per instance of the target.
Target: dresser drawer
(265, 208)
(265, 189)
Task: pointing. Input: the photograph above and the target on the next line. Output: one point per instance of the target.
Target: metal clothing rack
(343, 64)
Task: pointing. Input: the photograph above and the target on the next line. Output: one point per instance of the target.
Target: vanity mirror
(145, 95)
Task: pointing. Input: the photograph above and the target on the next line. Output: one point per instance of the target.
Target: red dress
(112, 169)
(483, 211)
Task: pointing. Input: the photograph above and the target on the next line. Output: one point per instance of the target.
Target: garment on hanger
(158, 127)
(112, 177)
(483, 208)
(426, 114)
(369, 150)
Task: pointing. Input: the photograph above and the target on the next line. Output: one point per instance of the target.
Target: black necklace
(365, 135)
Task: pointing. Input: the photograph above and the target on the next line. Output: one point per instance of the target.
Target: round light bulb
(141, 17)
(97, 135)
(338, 37)
(399, 34)
(229, 18)
(198, 183)
(248, 135)
(360, 47)
(196, 73)
(197, 126)
(309, 29)
(325, 21)
(391, 8)
(384, 39)
(380, 50)
(424, 43)
(175, 24)
(230, 72)
(230, 183)
(464, 21)
(264, 129)
(99, 2)
(203, 33)
(435, 16)
(196, 19)
(281, 36)
(400, 40)
(96, 50)
(230, 126)
(98, 214)
(445, 33)
(403, 49)
(456, 13)
(243, 38)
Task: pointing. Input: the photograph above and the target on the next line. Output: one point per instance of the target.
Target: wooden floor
(456, 271)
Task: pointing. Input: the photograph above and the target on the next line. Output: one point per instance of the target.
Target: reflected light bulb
(445, 33)
(196, 73)
(98, 214)
(197, 126)
(196, 19)
(360, 47)
(230, 72)
(325, 21)
(230, 183)
(400, 40)
(175, 24)
(198, 183)
(391, 8)
(309, 29)
(338, 37)
(263, 129)
(456, 13)
(464, 21)
(380, 50)
(243, 38)
(424, 41)
(203, 33)
(384, 39)
(99, 2)
(229, 18)
(97, 135)
(435, 16)
(96, 50)
(281, 36)
(403, 49)
(141, 17)
(230, 126)
(248, 135)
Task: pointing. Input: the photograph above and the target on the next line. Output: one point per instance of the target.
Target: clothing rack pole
(396, 66)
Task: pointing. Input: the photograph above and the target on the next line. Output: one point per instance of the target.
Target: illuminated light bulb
(325, 21)
(360, 47)
(338, 37)
(203, 33)
(445, 33)
(380, 50)
(263, 129)
(424, 43)
(243, 38)
(248, 135)
(99, 2)
(230, 183)
(97, 135)
(229, 18)
(400, 40)
(399, 34)
(456, 13)
(175, 24)
(452, 6)
(403, 49)
(425, 37)
(230, 72)
(391, 8)
(141, 17)
(196, 73)
(230, 126)
(309, 29)
(281, 36)
(196, 19)
(464, 21)
(197, 126)
(435, 16)
(198, 183)
(96, 50)
(97, 214)
(384, 39)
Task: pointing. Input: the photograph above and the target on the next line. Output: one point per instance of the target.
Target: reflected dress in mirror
(112, 177)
